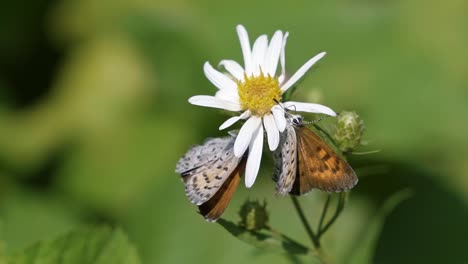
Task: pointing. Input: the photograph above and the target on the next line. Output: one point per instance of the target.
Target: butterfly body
(305, 162)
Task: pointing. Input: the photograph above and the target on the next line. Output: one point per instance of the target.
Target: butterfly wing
(286, 161)
(215, 206)
(205, 168)
(200, 155)
(319, 166)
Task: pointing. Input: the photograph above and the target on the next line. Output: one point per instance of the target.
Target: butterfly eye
(297, 120)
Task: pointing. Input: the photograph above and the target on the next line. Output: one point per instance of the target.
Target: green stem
(324, 212)
(275, 233)
(339, 209)
(307, 227)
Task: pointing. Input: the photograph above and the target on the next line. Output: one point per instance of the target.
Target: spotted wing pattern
(205, 168)
(285, 158)
(214, 207)
(319, 166)
(199, 155)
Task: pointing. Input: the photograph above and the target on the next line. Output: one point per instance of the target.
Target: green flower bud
(349, 130)
(253, 215)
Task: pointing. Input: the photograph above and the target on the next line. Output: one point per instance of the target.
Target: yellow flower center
(259, 93)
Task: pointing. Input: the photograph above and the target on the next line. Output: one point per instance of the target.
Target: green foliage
(90, 245)
(3, 255)
(363, 250)
(94, 115)
(266, 239)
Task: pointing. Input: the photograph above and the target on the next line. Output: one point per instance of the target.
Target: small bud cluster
(349, 130)
(253, 215)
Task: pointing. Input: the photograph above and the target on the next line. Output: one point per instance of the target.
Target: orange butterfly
(304, 162)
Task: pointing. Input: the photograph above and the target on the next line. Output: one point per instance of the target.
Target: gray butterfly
(211, 173)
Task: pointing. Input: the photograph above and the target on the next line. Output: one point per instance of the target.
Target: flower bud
(253, 215)
(349, 130)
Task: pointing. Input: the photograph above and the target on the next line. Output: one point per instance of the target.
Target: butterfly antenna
(285, 108)
(316, 120)
(278, 103)
(282, 107)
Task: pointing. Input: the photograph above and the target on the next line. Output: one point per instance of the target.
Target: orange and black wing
(319, 166)
(215, 206)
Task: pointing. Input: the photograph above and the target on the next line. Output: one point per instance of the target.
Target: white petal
(245, 46)
(281, 79)
(272, 131)
(258, 54)
(302, 71)
(211, 101)
(273, 53)
(233, 68)
(228, 95)
(220, 80)
(234, 119)
(308, 107)
(255, 156)
(283, 59)
(245, 115)
(245, 135)
(278, 114)
(229, 122)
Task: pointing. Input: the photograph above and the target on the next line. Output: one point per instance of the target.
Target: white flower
(255, 91)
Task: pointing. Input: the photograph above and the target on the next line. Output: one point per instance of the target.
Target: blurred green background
(94, 116)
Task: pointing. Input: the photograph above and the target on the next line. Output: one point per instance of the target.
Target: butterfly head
(295, 120)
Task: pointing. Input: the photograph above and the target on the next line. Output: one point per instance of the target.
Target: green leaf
(268, 240)
(364, 252)
(90, 245)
